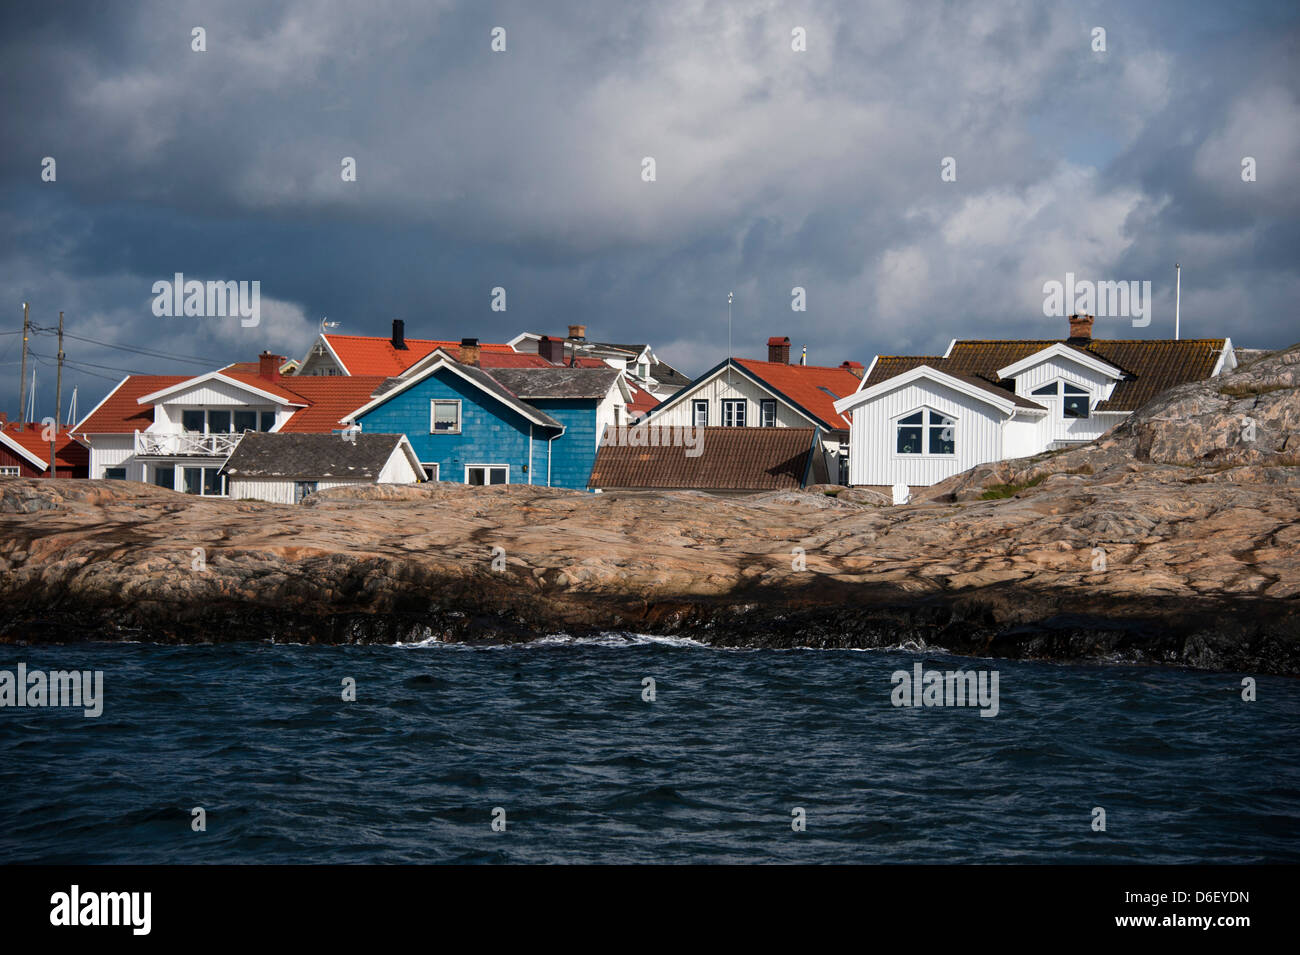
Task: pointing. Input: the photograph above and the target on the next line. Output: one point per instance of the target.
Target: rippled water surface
(558, 735)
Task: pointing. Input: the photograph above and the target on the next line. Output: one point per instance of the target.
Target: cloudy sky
(523, 169)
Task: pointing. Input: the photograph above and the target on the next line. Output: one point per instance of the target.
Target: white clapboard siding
(873, 457)
(217, 394)
(277, 490)
(680, 414)
(114, 451)
(1056, 427)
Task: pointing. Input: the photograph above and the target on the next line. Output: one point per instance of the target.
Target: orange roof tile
(815, 388)
(375, 355)
(330, 397)
(121, 412)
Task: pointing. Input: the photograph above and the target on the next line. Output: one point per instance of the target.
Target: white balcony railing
(180, 443)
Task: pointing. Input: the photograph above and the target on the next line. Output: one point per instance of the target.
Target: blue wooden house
(474, 425)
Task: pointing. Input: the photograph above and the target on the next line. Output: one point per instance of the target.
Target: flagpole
(729, 294)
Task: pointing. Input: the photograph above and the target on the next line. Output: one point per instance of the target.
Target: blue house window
(481, 474)
(768, 412)
(700, 413)
(444, 416)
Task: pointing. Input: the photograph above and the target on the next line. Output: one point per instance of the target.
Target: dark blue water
(559, 737)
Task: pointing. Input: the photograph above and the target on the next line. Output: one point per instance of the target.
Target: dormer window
(1074, 402)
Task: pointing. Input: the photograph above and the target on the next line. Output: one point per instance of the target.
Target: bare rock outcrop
(1143, 547)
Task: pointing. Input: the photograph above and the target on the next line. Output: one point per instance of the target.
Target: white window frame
(697, 405)
(925, 426)
(8, 470)
(431, 468)
(487, 483)
(763, 405)
(1059, 398)
(433, 405)
(743, 404)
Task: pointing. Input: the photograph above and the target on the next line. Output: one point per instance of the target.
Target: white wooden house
(917, 420)
(285, 468)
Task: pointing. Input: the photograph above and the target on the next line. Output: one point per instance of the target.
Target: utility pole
(22, 375)
(58, 388)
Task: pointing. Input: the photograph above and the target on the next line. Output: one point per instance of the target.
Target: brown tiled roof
(732, 459)
(1150, 365)
(887, 366)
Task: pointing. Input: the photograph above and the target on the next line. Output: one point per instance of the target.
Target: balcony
(184, 443)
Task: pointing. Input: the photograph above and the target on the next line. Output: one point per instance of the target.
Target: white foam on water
(608, 639)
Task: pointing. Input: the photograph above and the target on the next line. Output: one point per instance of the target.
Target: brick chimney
(552, 349)
(578, 333)
(854, 368)
(268, 366)
(469, 351)
(399, 334)
(778, 350)
(1080, 329)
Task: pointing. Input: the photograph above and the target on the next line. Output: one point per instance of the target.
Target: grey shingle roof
(529, 383)
(311, 456)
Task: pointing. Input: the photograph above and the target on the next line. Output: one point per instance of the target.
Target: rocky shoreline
(1170, 541)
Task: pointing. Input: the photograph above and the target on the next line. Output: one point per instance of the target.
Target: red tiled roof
(375, 355)
(329, 397)
(68, 453)
(121, 412)
(804, 384)
(731, 459)
(276, 388)
(642, 400)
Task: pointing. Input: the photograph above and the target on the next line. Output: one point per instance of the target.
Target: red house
(23, 453)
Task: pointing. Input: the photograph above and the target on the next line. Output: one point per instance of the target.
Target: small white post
(1178, 294)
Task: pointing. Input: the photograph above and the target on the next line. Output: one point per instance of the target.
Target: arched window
(926, 432)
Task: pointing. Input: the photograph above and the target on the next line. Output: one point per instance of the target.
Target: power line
(146, 352)
(92, 374)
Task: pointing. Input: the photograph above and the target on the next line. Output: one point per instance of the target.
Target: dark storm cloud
(521, 170)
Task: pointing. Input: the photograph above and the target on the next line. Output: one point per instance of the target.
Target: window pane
(211, 481)
(193, 480)
(245, 421)
(733, 413)
(1045, 390)
(164, 477)
(498, 475)
(268, 420)
(1073, 389)
(219, 422)
(701, 413)
(192, 420)
(769, 413)
(115, 474)
(446, 416)
(942, 434)
(909, 439)
(475, 477)
(1075, 406)
(912, 418)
